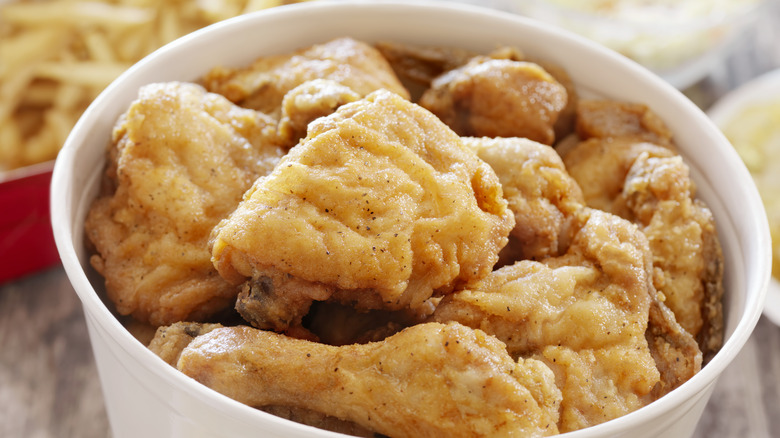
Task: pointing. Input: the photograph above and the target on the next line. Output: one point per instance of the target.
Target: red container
(26, 239)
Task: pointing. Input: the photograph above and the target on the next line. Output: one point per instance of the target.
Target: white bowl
(763, 90)
(147, 398)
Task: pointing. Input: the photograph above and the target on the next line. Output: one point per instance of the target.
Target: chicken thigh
(381, 206)
(180, 162)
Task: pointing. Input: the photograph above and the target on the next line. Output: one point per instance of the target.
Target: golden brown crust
(427, 380)
(650, 184)
(181, 160)
(583, 313)
(497, 98)
(380, 206)
(263, 84)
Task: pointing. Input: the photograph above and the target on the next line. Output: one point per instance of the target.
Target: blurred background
(57, 55)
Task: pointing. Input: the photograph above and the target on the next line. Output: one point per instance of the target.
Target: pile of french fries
(56, 56)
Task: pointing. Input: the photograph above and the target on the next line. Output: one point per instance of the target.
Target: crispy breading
(405, 277)
(170, 340)
(584, 313)
(427, 380)
(380, 206)
(676, 353)
(600, 168)
(650, 184)
(421, 65)
(263, 84)
(497, 98)
(180, 162)
(309, 101)
(540, 193)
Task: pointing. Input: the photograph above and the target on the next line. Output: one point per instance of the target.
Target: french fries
(56, 56)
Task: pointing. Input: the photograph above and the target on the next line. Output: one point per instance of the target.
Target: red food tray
(26, 239)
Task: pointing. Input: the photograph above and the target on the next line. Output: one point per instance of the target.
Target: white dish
(763, 90)
(147, 398)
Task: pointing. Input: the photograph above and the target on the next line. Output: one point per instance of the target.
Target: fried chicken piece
(540, 193)
(600, 167)
(584, 313)
(379, 207)
(687, 253)
(263, 84)
(309, 101)
(180, 161)
(427, 380)
(565, 124)
(169, 341)
(419, 66)
(676, 353)
(650, 185)
(497, 98)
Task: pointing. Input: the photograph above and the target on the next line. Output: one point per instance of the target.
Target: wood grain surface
(49, 386)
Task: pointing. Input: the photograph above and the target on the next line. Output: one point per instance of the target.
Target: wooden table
(49, 385)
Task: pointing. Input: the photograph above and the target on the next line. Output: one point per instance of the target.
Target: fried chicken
(169, 341)
(263, 84)
(409, 270)
(649, 184)
(180, 161)
(497, 98)
(584, 313)
(676, 353)
(565, 124)
(600, 167)
(419, 66)
(540, 193)
(309, 101)
(380, 206)
(427, 380)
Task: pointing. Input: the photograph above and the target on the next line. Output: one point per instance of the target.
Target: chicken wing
(181, 160)
(584, 313)
(263, 84)
(427, 380)
(649, 184)
(498, 98)
(380, 206)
